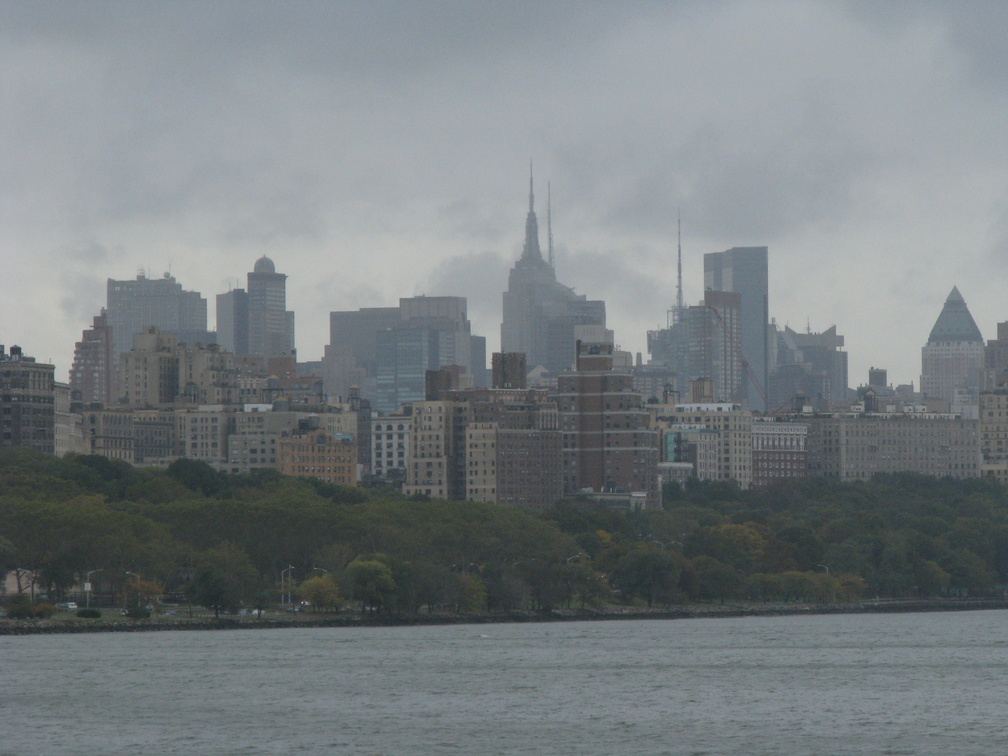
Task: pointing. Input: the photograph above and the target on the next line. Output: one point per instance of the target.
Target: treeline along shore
(157, 543)
(354, 620)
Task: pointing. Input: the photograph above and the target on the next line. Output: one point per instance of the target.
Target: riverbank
(348, 619)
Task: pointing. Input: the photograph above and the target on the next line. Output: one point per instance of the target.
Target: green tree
(931, 579)
(370, 582)
(321, 592)
(648, 573)
(223, 578)
(707, 578)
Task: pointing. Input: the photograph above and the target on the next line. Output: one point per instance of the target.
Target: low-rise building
(27, 402)
(69, 429)
(109, 433)
(715, 437)
(319, 454)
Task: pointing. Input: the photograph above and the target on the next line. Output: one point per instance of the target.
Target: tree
(968, 574)
(707, 578)
(370, 582)
(211, 588)
(648, 573)
(932, 580)
(223, 579)
(321, 592)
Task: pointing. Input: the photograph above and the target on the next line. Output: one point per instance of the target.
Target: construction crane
(746, 369)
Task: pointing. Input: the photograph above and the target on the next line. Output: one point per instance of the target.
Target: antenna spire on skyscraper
(549, 223)
(531, 249)
(531, 197)
(679, 299)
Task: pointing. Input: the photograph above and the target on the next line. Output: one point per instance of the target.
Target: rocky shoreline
(347, 619)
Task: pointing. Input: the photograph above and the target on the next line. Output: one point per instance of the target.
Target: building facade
(390, 445)
(858, 446)
(27, 402)
(744, 270)
(270, 324)
(383, 354)
(716, 437)
(541, 314)
(778, 450)
(953, 357)
(133, 306)
(813, 365)
(608, 446)
(149, 372)
(93, 375)
(318, 454)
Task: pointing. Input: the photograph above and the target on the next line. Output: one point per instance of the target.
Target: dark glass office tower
(744, 270)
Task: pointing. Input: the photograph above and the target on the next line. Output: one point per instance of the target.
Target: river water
(840, 684)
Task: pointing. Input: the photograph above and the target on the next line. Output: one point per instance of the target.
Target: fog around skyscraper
(378, 150)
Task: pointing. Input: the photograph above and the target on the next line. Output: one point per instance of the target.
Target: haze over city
(377, 151)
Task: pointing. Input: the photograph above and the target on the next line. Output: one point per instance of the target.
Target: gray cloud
(482, 278)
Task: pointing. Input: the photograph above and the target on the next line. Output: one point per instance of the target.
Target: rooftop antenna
(676, 312)
(549, 224)
(531, 199)
(679, 302)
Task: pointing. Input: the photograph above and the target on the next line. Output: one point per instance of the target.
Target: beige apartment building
(716, 437)
(318, 454)
(857, 446)
(149, 372)
(993, 430)
(432, 451)
(493, 445)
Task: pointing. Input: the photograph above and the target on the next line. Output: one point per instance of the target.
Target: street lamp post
(87, 587)
(290, 579)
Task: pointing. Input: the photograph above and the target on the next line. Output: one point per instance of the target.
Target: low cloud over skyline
(380, 150)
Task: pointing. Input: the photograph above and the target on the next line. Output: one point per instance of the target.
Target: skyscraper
(953, 357)
(92, 377)
(744, 270)
(813, 364)
(703, 343)
(270, 324)
(433, 332)
(233, 321)
(135, 305)
(387, 351)
(540, 314)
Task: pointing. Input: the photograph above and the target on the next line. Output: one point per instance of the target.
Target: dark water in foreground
(840, 684)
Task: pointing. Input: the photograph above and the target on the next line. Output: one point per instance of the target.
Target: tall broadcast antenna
(549, 224)
(675, 313)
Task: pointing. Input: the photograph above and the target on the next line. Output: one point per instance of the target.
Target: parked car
(67, 606)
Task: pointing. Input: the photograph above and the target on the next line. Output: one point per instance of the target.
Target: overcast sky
(380, 150)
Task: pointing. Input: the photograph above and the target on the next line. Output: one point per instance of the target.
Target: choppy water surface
(857, 684)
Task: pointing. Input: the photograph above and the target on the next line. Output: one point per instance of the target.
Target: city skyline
(860, 144)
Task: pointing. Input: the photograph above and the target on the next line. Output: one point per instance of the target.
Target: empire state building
(541, 314)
